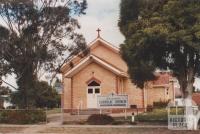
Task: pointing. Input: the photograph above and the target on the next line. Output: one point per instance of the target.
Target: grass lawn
(108, 130)
(157, 115)
(53, 111)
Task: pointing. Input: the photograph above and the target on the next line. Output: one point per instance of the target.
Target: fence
(183, 119)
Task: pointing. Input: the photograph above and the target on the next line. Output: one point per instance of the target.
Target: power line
(8, 84)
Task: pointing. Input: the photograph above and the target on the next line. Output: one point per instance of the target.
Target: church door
(93, 91)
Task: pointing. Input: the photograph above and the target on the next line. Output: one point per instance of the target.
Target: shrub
(160, 104)
(149, 108)
(22, 116)
(97, 119)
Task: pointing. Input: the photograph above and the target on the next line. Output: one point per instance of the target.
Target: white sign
(112, 101)
(177, 122)
(59, 87)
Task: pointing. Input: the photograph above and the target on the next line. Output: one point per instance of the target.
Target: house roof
(196, 98)
(90, 59)
(163, 79)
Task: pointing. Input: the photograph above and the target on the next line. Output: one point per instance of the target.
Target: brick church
(102, 72)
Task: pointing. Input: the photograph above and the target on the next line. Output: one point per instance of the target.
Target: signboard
(59, 87)
(112, 101)
(177, 122)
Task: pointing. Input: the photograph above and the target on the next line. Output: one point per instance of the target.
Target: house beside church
(101, 72)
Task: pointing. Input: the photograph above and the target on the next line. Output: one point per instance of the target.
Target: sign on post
(112, 101)
(59, 87)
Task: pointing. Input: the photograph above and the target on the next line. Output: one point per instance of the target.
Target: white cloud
(103, 14)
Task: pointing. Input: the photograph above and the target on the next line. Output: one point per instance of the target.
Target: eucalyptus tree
(37, 35)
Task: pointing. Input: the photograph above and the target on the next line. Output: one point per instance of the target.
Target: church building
(101, 72)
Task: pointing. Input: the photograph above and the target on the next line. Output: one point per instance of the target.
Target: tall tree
(44, 96)
(36, 35)
(163, 34)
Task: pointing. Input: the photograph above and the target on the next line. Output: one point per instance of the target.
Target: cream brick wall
(67, 93)
(109, 56)
(156, 94)
(106, 77)
(135, 94)
(108, 85)
(75, 88)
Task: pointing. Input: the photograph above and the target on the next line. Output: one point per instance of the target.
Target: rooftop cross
(98, 30)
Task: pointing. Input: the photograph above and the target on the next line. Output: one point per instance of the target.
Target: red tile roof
(162, 78)
(196, 98)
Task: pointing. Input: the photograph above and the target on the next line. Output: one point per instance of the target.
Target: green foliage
(35, 37)
(43, 96)
(157, 115)
(46, 96)
(22, 116)
(163, 34)
(100, 119)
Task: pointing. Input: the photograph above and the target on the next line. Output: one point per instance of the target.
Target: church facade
(103, 72)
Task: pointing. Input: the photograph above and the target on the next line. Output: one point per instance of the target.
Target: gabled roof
(94, 44)
(90, 59)
(105, 43)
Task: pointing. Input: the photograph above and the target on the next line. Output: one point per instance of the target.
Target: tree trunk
(190, 117)
(26, 84)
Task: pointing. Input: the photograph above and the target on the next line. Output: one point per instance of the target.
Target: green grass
(156, 115)
(159, 115)
(53, 111)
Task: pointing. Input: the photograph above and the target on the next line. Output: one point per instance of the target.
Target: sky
(103, 14)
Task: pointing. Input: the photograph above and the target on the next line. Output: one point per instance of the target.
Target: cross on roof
(98, 31)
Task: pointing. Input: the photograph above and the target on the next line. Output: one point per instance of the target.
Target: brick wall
(107, 79)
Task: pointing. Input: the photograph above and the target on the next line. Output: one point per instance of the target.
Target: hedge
(157, 115)
(22, 116)
(160, 104)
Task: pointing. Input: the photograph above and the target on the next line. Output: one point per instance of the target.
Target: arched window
(93, 83)
(93, 87)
